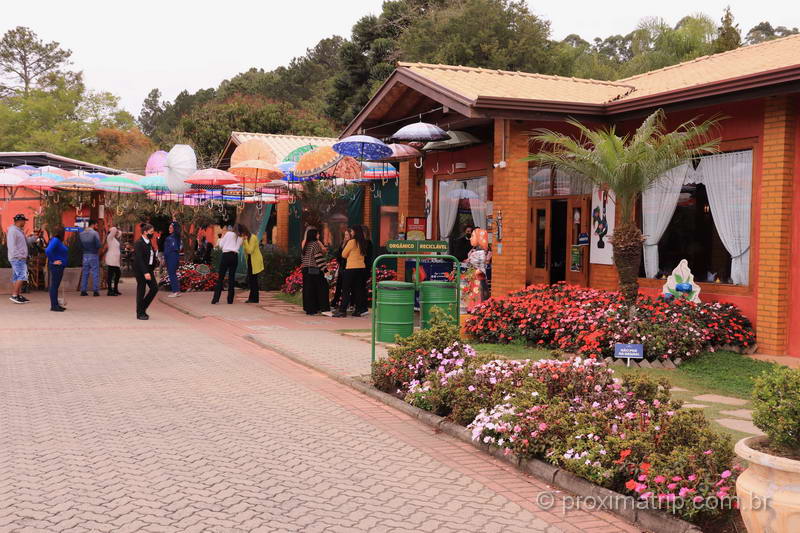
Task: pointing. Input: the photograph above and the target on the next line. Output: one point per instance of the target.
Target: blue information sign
(629, 351)
(74, 229)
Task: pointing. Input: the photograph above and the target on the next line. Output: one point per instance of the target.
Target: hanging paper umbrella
(295, 155)
(28, 169)
(155, 163)
(253, 149)
(96, 176)
(458, 139)
(362, 147)
(317, 161)
(75, 184)
(346, 168)
(402, 152)
(420, 131)
(287, 167)
(181, 163)
(379, 171)
(10, 177)
(273, 187)
(40, 181)
(256, 171)
(119, 184)
(58, 171)
(154, 183)
(212, 177)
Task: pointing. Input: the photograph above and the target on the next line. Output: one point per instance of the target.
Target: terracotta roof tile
(747, 60)
(475, 82)
(472, 83)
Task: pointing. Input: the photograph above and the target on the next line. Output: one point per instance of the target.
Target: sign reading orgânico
(629, 351)
(414, 247)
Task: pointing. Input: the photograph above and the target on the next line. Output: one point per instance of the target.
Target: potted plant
(769, 490)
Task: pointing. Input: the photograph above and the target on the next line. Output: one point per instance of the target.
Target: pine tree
(728, 35)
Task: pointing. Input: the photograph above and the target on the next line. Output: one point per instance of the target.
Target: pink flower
(697, 499)
(692, 477)
(672, 486)
(642, 477)
(646, 496)
(677, 478)
(683, 492)
(708, 452)
(542, 426)
(659, 479)
(726, 474)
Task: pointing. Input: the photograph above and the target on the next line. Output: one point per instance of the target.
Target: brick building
(735, 215)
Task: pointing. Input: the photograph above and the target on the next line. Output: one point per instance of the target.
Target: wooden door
(539, 241)
(578, 217)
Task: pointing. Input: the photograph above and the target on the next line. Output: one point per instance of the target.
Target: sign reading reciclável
(415, 247)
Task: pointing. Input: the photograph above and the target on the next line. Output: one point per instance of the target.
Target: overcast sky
(130, 47)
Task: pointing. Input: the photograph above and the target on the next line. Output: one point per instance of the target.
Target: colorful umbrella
(40, 181)
(119, 184)
(181, 163)
(212, 177)
(154, 183)
(262, 199)
(420, 131)
(362, 147)
(28, 169)
(347, 169)
(402, 152)
(287, 167)
(253, 149)
(11, 177)
(295, 155)
(75, 184)
(96, 176)
(379, 171)
(58, 171)
(155, 163)
(458, 139)
(317, 161)
(255, 171)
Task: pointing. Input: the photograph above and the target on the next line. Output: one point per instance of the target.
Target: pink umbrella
(402, 152)
(42, 183)
(155, 163)
(59, 171)
(132, 176)
(212, 177)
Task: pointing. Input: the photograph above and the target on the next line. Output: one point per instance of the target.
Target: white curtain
(448, 207)
(729, 183)
(658, 206)
(478, 206)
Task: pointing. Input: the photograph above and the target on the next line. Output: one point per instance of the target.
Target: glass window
(550, 182)
(541, 229)
(539, 181)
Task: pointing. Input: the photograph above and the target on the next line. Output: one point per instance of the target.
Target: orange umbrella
(253, 149)
(316, 161)
(348, 168)
(256, 171)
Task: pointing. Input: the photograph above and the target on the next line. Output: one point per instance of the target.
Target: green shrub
(442, 333)
(776, 407)
(277, 266)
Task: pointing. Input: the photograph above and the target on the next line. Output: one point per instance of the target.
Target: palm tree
(626, 166)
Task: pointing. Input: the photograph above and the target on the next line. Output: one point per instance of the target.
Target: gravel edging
(657, 522)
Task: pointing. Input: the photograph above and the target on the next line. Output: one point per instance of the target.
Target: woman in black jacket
(315, 288)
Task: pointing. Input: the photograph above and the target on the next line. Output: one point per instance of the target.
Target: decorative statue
(680, 284)
(600, 221)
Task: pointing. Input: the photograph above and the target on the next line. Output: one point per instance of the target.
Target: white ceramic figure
(680, 283)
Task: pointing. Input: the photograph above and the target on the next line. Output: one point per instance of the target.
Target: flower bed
(628, 436)
(193, 278)
(589, 322)
(294, 281)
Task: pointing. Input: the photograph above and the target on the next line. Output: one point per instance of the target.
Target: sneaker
(58, 309)
(96, 293)
(174, 295)
(327, 313)
(338, 314)
(24, 300)
(142, 317)
(84, 293)
(17, 300)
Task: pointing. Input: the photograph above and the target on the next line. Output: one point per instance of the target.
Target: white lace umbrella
(181, 163)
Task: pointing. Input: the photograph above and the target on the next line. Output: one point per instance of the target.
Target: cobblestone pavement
(180, 424)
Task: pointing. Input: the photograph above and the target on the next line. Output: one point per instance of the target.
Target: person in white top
(230, 243)
(112, 260)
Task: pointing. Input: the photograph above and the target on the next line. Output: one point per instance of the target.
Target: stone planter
(768, 491)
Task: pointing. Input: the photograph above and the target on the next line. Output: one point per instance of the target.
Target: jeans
(227, 265)
(143, 301)
(172, 269)
(91, 265)
(56, 273)
(19, 270)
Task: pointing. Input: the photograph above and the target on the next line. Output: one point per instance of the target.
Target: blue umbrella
(49, 175)
(420, 132)
(362, 147)
(287, 167)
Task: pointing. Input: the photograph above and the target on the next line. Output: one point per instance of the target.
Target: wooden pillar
(366, 206)
(282, 227)
(775, 237)
(411, 198)
(510, 186)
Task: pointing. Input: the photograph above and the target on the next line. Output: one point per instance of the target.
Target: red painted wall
(478, 157)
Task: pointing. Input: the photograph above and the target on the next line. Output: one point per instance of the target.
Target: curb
(654, 521)
(174, 305)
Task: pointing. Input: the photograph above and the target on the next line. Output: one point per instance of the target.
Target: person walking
(56, 252)
(315, 288)
(339, 274)
(255, 262)
(90, 242)
(172, 256)
(18, 257)
(144, 263)
(112, 259)
(229, 244)
(354, 283)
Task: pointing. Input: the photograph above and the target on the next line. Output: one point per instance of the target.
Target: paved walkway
(182, 424)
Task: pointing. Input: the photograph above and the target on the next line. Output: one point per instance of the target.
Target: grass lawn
(296, 299)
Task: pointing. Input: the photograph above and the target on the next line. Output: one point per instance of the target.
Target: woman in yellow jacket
(255, 262)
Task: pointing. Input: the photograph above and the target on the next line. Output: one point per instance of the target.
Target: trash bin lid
(395, 286)
(444, 284)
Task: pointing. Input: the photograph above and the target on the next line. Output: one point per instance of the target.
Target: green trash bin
(395, 310)
(441, 294)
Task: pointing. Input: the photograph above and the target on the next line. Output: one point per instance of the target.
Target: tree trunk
(627, 240)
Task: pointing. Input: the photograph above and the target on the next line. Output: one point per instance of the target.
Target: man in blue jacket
(90, 242)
